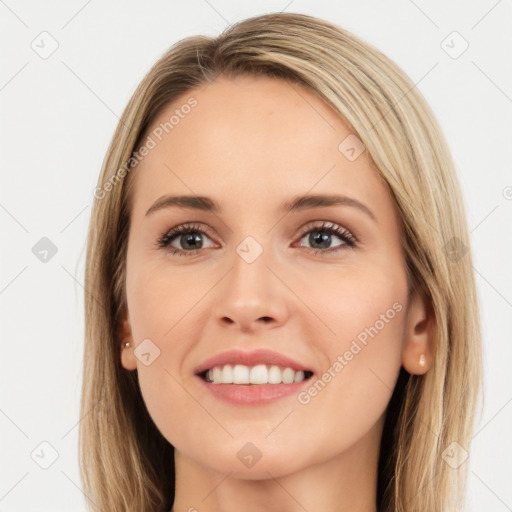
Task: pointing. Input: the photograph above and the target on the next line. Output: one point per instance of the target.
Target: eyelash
(326, 227)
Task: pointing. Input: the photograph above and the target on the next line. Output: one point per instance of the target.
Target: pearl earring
(422, 360)
(127, 345)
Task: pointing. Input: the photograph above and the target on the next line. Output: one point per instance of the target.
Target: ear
(125, 336)
(418, 347)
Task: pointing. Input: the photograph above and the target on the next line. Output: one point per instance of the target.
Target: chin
(253, 461)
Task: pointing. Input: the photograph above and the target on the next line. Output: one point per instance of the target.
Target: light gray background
(58, 116)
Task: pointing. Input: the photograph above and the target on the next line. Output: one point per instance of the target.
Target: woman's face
(262, 286)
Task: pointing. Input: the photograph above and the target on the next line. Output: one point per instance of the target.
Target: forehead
(250, 140)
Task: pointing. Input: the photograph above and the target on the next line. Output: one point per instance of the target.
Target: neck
(346, 482)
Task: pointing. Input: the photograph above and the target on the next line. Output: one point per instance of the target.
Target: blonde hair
(125, 462)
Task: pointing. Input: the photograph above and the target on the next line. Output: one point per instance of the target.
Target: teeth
(288, 375)
(240, 374)
(259, 374)
(275, 375)
(299, 376)
(226, 376)
(216, 374)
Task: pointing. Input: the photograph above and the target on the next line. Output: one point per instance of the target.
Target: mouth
(252, 378)
(258, 375)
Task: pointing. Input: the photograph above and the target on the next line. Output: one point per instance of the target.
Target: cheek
(163, 309)
(366, 312)
(160, 300)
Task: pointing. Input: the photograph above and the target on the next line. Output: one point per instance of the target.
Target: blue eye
(322, 235)
(190, 237)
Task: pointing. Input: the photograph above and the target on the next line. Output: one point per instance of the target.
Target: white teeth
(275, 375)
(227, 375)
(299, 376)
(288, 375)
(259, 374)
(240, 374)
(216, 374)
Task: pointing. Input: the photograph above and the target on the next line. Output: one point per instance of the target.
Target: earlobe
(418, 347)
(127, 347)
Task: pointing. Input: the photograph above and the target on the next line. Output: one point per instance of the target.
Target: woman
(280, 311)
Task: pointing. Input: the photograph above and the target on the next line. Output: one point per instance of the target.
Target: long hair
(125, 462)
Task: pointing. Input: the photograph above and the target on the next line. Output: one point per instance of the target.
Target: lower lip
(256, 394)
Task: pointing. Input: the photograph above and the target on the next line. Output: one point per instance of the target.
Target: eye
(320, 238)
(187, 239)
(187, 236)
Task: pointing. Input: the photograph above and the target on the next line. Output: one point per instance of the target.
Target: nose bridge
(251, 291)
(250, 276)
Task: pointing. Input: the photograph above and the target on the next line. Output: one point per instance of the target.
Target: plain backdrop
(67, 71)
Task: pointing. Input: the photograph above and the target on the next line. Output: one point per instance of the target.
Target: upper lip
(253, 358)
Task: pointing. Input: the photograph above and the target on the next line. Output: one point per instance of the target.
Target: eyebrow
(298, 203)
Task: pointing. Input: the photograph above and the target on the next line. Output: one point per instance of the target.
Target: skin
(250, 144)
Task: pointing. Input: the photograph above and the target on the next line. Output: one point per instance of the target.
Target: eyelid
(328, 225)
(338, 230)
(183, 228)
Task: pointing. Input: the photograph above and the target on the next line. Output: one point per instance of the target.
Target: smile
(256, 375)
(252, 378)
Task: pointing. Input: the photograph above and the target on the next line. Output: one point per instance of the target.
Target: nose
(251, 297)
